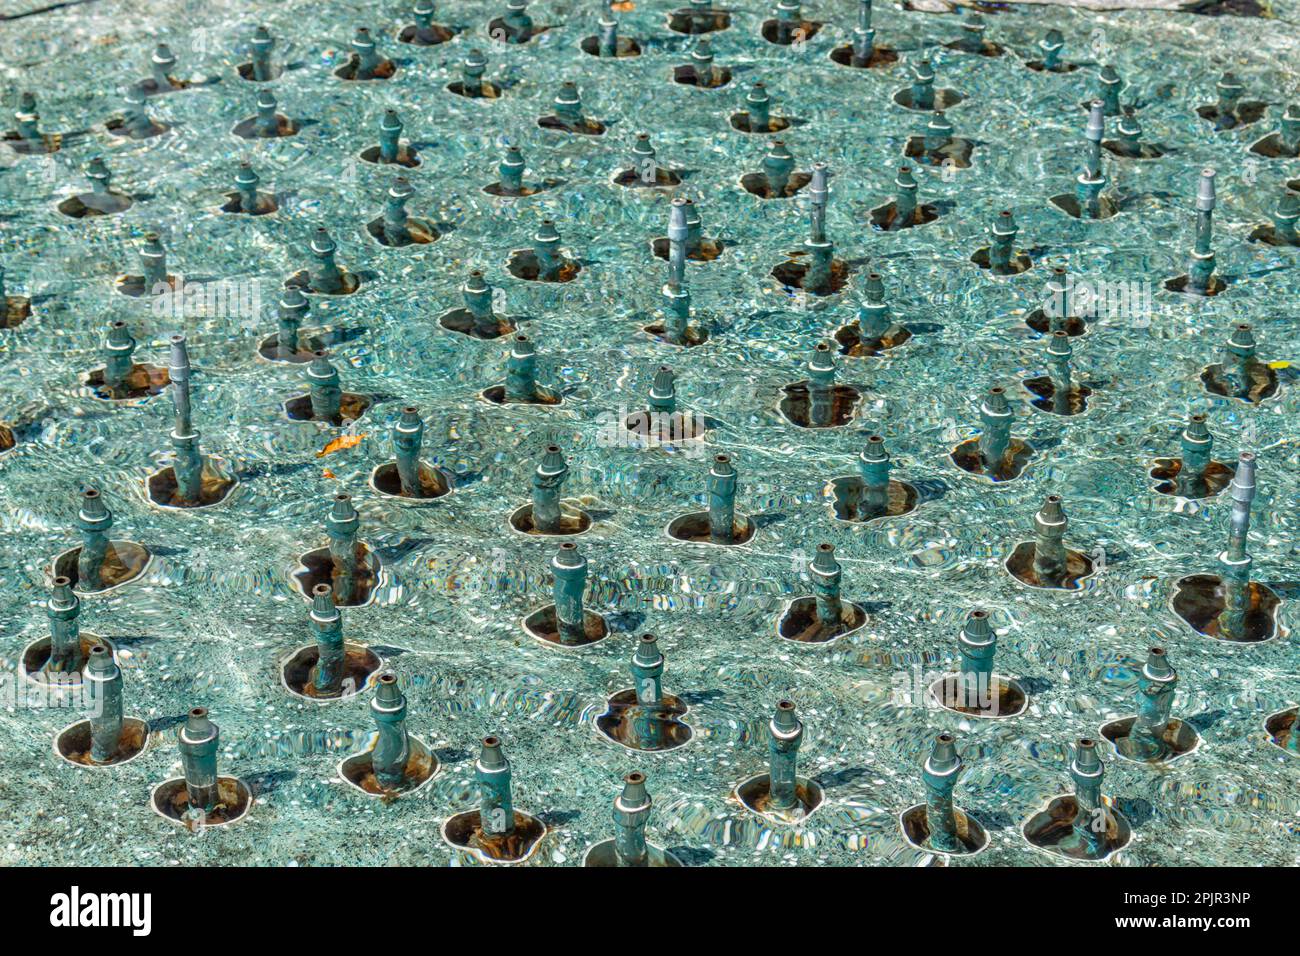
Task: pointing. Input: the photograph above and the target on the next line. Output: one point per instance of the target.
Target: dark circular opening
(874, 276)
(1157, 652)
(477, 273)
(996, 390)
(342, 497)
(647, 638)
(1005, 212)
(1086, 742)
(118, 324)
(388, 678)
(979, 613)
(198, 712)
(1054, 499)
(413, 409)
(946, 738)
(722, 459)
(875, 439)
(491, 741)
(1198, 417)
(150, 236)
(62, 581)
(785, 705)
(320, 589)
(521, 338)
(551, 449)
(825, 547)
(823, 346)
(568, 546)
(636, 776)
(319, 353)
(1243, 327)
(90, 493)
(99, 649)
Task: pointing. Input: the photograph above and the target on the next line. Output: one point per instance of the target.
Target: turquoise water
(216, 611)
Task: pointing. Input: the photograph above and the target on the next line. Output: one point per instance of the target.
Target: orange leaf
(329, 474)
(340, 443)
(623, 7)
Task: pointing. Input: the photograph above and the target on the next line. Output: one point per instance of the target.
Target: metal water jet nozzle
(1050, 558)
(864, 37)
(161, 64)
(324, 274)
(390, 136)
(785, 733)
(631, 813)
(246, 182)
(663, 391)
(1200, 265)
(548, 480)
(995, 438)
(648, 672)
(1198, 448)
(1157, 683)
(521, 371)
(1002, 236)
(408, 436)
(268, 121)
(721, 490)
(325, 391)
(942, 768)
(820, 249)
(1092, 180)
(922, 91)
(392, 748)
(1087, 771)
(570, 570)
(341, 525)
(199, 739)
(496, 804)
(94, 521)
(758, 108)
(327, 628)
(826, 574)
(977, 644)
(291, 312)
(104, 685)
(511, 170)
(874, 466)
(1052, 44)
(260, 47)
(396, 232)
(62, 611)
(188, 466)
(1108, 86)
(1236, 559)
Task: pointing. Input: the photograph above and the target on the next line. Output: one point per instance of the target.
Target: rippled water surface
(217, 608)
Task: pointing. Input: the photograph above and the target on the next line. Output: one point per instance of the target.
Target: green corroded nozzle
(472, 69)
(785, 734)
(1059, 353)
(1229, 89)
(548, 479)
(408, 436)
(422, 13)
(179, 374)
(342, 524)
(104, 689)
(153, 263)
(135, 118)
(492, 774)
(396, 232)
(568, 105)
(1092, 136)
(521, 370)
(995, 438)
(942, 768)
(648, 671)
(821, 250)
(291, 312)
(821, 385)
(199, 739)
(390, 134)
(161, 63)
(268, 124)
(644, 160)
(778, 165)
(864, 37)
(826, 574)
(1108, 86)
(702, 62)
(99, 175)
(366, 52)
(517, 19)
(758, 107)
(94, 521)
(873, 466)
(905, 191)
(476, 293)
(1157, 683)
(261, 46)
(631, 813)
(1002, 240)
(721, 490)
(607, 32)
(26, 118)
(1050, 558)
(324, 273)
(1286, 217)
(246, 182)
(392, 748)
(873, 310)
(938, 132)
(1198, 450)
(977, 643)
(511, 170)
(677, 298)
(1289, 129)
(62, 611)
(663, 392)
(326, 393)
(118, 348)
(972, 32)
(1130, 134)
(1087, 771)
(327, 628)
(1052, 44)
(922, 85)
(570, 570)
(546, 247)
